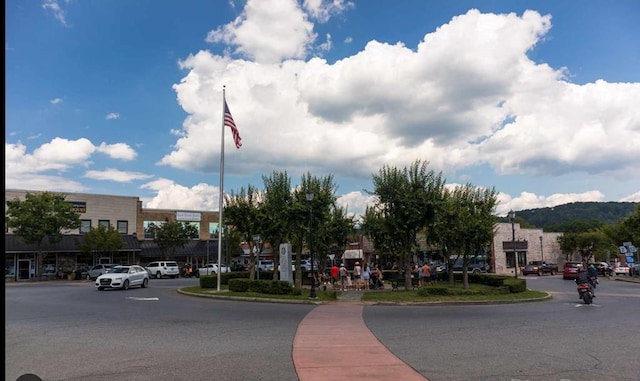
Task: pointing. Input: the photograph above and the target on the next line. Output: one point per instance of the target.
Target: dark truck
(539, 268)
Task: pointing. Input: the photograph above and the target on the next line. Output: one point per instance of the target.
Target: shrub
(239, 285)
(426, 291)
(209, 281)
(516, 285)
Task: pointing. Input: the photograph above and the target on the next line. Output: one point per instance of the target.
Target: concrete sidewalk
(333, 343)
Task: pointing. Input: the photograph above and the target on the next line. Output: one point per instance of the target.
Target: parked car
(634, 270)
(82, 271)
(98, 270)
(123, 277)
(539, 268)
(266, 266)
(472, 268)
(161, 269)
(212, 268)
(570, 270)
(620, 269)
(305, 265)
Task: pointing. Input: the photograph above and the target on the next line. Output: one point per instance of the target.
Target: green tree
(405, 203)
(324, 198)
(242, 211)
(173, 234)
(631, 227)
(41, 217)
(590, 246)
(102, 239)
(276, 208)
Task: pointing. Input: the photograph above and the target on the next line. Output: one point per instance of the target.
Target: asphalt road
(557, 339)
(70, 331)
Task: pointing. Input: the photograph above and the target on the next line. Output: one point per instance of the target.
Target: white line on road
(137, 298)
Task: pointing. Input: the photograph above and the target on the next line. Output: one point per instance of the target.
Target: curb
(367, 303)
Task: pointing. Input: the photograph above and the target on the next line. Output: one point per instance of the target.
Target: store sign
(188, 216)
(79, 206)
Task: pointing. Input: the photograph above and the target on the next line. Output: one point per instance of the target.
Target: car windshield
(573, 265)
(120, 270)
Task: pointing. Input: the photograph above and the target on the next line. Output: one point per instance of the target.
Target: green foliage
(405, 203)
(102, 239)
(41, 215)
(427, 291)
(516, 285)
(578, 215)
(592, 245)
(237, 285)
(173, 234)
(271, 287)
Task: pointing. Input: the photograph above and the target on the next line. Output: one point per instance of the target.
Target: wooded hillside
(597, 212)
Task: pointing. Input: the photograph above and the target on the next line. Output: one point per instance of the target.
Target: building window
(104, 223)
(150, 228)
(511, 262)
(85, 226)
(123, 227)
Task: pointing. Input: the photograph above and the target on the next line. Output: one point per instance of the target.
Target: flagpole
(221, 196)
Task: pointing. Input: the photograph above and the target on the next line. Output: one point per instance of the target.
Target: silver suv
(161, 269)
(98, 270)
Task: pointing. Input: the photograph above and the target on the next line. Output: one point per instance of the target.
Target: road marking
(137, 298)
(587, 305)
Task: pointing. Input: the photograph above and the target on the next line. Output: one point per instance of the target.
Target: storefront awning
(352, 254)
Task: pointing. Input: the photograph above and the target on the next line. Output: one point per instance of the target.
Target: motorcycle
(585, 293)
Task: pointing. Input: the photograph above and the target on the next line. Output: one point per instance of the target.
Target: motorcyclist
(592, 271)
(583, 278)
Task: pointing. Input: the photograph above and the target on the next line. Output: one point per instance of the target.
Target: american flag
(228, 121)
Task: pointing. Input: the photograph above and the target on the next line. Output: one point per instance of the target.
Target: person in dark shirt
(592, 271)
(583, 278)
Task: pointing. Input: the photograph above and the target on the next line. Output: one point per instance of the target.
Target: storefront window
(9, 268)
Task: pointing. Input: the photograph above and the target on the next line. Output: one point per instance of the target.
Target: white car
(212, 268)
(161, 269)
(305, 265)
(123, 277)
(621, 270)
(266, 265)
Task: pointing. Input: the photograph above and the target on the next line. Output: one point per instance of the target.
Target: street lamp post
(312, 294)
(541, 250)
(512, 218)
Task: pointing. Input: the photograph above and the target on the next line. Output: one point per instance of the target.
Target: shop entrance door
(23, 268)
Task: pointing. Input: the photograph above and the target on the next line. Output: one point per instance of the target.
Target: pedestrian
(426, 273)
(420, 277)
(366, 276)
(343, 276)
(335, 272)
(434, 274)
(357, 275)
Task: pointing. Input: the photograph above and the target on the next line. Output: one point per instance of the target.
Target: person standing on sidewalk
(366, 276)
(343, 276)
(426, 273)
(335, 273)
(357, 275)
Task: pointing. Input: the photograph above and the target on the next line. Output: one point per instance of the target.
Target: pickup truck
(539, 268)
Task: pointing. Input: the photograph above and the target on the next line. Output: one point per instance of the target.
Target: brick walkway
(334, 343)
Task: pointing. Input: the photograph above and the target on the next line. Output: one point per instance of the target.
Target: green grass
(321, 296)
(475, 293)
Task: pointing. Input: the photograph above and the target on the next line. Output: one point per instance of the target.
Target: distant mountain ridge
(605, 212)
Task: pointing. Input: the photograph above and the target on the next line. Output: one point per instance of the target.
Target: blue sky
(538, 99)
